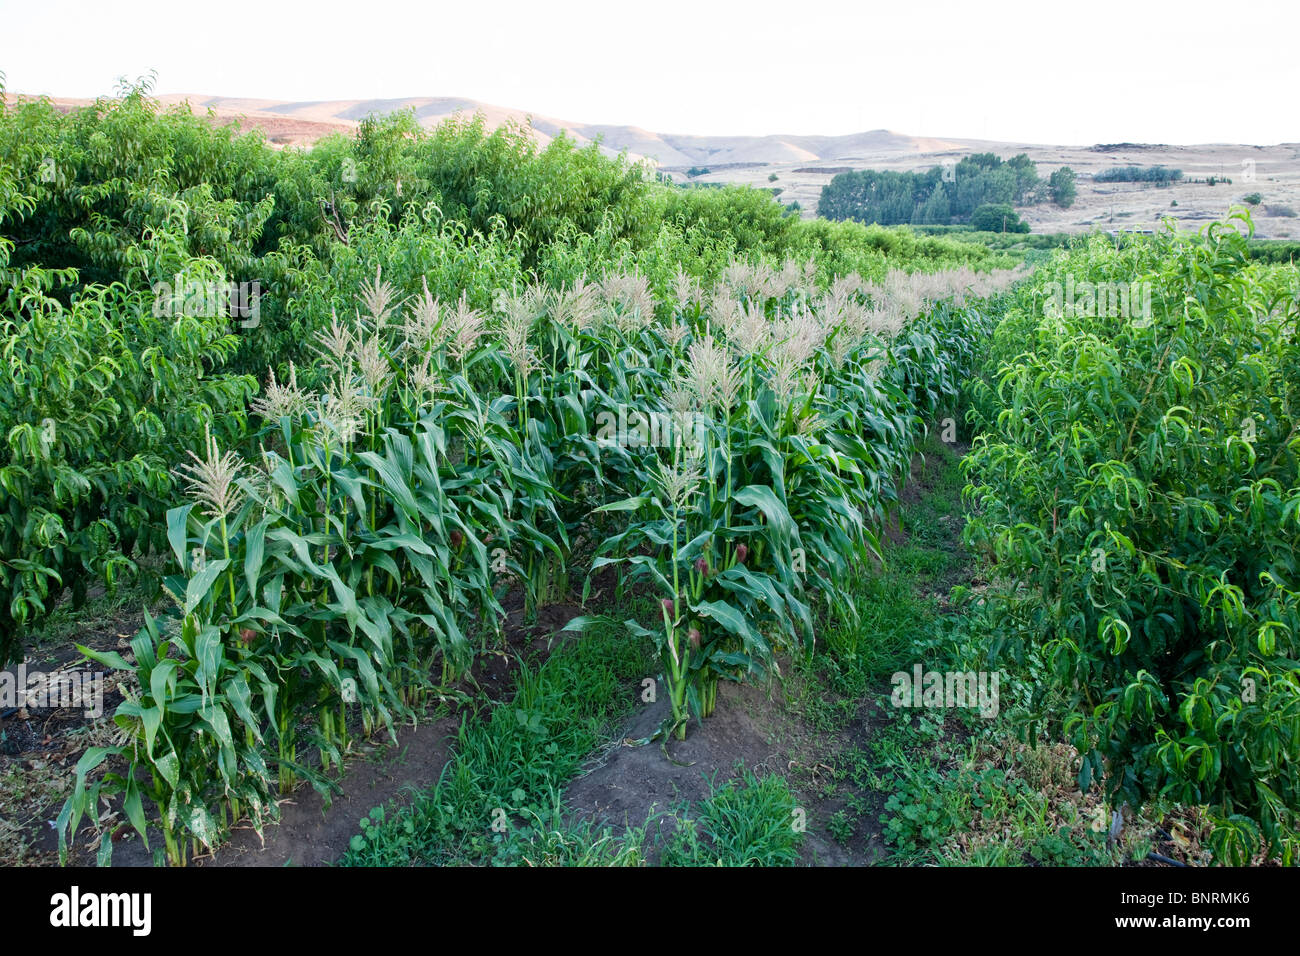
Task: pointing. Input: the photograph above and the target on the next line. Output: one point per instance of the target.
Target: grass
(956, 789)
(497, 799)
(749, 821)
(898, 604)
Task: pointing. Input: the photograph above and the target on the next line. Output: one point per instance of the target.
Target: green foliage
(422, 446)
(514, 760)
(918, 815)
(885, 197)
(768, 495)
(1138, 174)
(1003, 242)
(931, 198)
(749, 821)
(937, 210)
(331, 580)
(841, 827)
(997, 218)
(1274, 251)
(1253, 199)
(108, 212)
(99, 393)
(1136, 483)
(1061, 187)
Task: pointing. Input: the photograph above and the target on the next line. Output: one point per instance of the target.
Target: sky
(1034, 72)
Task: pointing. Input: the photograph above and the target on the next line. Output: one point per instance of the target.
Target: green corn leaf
(627, 504)
(169, 765)
(178, 533)
(198, 586)
(255, 549)
(778, 517)
(134, 809)
(108, 658)
(735, 623)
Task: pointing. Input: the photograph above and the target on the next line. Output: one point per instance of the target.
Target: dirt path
(765, 728)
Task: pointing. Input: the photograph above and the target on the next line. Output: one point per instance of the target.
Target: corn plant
(331, 582)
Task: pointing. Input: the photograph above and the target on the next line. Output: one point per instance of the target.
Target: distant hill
(300, 123)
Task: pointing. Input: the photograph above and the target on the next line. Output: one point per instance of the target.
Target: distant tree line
(1274, 251)
(942, 196)
(1138, 174)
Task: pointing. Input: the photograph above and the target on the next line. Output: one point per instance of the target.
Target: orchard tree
(1061, 186)
(997, 217)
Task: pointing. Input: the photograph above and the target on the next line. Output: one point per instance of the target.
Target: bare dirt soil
(752, 728)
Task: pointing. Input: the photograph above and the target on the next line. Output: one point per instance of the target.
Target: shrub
(1136, 484)
(1061, 186)
(997, 218)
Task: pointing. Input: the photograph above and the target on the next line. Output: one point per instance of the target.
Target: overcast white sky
(1039, 72)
